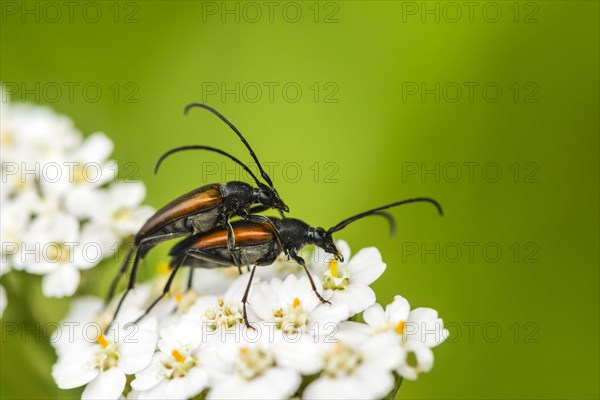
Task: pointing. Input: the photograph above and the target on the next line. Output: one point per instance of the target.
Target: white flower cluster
(62, 209)
(195, 343)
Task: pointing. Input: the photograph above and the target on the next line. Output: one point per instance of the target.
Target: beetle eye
(319, 234)
(265, 197)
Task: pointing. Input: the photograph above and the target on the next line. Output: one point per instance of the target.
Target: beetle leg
(129, 286)
(134, 248)
(203, 256)
(258, 209)
(117, 278)
(231, 245)
(300, 261)
(245, 297)
(166, 289)
(138, 256)
(190, 279)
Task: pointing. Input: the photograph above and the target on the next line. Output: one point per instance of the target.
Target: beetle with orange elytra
(203, 209)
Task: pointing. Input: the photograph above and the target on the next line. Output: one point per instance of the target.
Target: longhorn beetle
(203, 209)
(256, 244)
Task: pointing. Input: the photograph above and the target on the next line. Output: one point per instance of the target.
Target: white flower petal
(95, 148)
(83, 201)
(344, 248)
(263, 300)
(214, 281)
(130, 226)
(366, 266)
(356, 296)
(329, 313)
(128, 194)
(348, 328)
(108, 385)
(374, 316)
(97, 243)
(184, 333)
(275, 383)
(194, 382)
(423, 314)
(38, 268)
(74, 368)
(83, 309)
(379, 381)
(398, 310)
(383, 351)
(303, 356)
(137, 350)
(148, 377)
(3, 300)
(331, 388)
(61, 282)
(425, 327)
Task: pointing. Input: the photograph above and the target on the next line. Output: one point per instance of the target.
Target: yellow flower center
(177, 356)
(400, 327)
(102, 341)
(6, 138)
(333, 268)
(108, 356)
(122, 214)
(291, 319)
(253, 362)
(341, 360)
(58, 252)
(224, 315)
(178, 364)
(79, 176)
(335, 279)
(185, 300)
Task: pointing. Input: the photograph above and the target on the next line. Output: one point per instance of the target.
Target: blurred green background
(490, 107)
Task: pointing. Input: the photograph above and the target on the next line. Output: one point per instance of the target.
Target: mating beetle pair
(214, 241)
(202, 209)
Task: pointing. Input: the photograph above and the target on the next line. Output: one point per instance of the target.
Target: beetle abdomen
(244, 236)
(260, 254)
(198, 201)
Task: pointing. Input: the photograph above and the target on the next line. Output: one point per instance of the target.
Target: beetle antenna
(356, 217)
(390, 219)
(208, 148)
(264, 175)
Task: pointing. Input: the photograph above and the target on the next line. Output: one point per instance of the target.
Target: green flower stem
(394, 393)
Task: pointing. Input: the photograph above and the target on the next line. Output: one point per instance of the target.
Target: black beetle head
(269, 197)
(323, 239)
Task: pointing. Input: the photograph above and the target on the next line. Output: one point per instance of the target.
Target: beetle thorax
(293, 232)
(237, 196)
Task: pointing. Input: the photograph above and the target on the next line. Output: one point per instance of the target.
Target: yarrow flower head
(418, 331)
(251, 367)
(177, 370)
(348, 282)
(292, 305)
(102, 363)
(356, 366)
(62, 211)
(297, 346)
